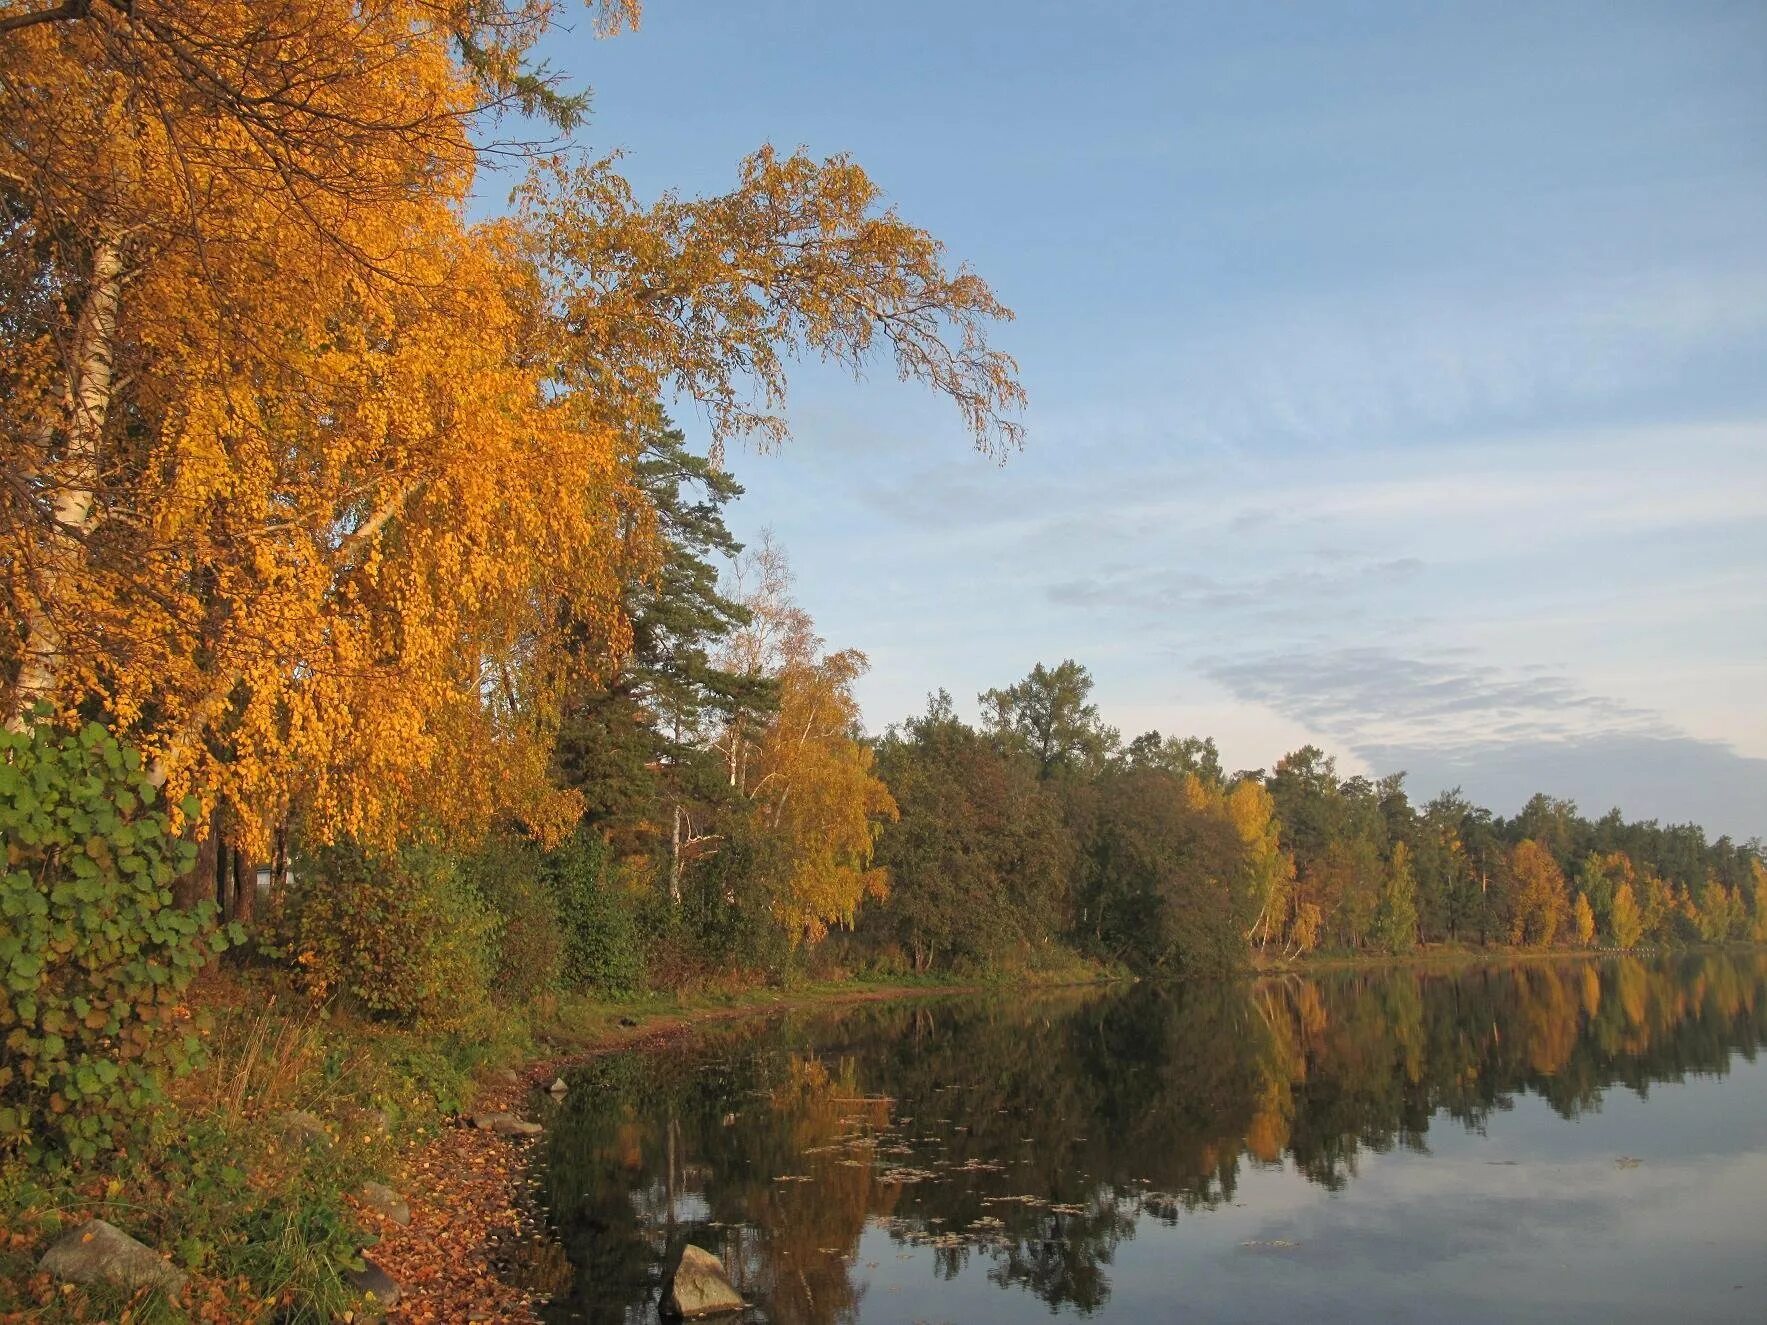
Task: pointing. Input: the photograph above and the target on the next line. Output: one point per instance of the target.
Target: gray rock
(698, 1286)
(384, 1201)
(368, 1122)
(506, 1124)
(375, 1283)
(557, 1087)
(298, 1127)
(97, 1252)
(508, 1077)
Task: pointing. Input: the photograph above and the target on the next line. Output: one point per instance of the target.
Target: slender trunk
(245, 888)
(279, 865)
(222, 894)
(87, 405)
(675, 858)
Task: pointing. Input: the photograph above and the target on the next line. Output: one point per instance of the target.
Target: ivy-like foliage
(94, 958)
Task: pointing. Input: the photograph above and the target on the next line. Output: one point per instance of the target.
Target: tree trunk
(223, 894)
(279, 866)
(245, 888)
(675, 858)
(87, 405)
(199, 884)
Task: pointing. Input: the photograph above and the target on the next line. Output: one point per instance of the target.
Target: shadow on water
(1026, 1139)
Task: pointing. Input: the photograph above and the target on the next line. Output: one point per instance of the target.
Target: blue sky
(1395, 369)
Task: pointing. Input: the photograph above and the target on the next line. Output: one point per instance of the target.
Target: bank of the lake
(1413, 1142)
(396, 1107)
(254, 1167)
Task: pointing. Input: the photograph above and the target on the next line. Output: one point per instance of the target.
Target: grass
(263, 1224)
(261, 1221)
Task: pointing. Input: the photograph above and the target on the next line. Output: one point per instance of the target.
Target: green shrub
(726, 916)
(403, 935)
(531, 940)
(602, 948)
(94, 956)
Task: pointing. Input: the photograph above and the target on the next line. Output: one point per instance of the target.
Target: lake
(1544, 1140)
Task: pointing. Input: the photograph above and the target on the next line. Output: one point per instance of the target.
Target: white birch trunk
(88, 402)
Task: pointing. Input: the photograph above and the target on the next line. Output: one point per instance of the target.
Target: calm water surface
(1578, 1140)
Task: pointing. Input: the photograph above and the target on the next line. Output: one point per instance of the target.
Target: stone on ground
(384, 1201)
(506, 1124)
(699, 1288)
(97, 1252)
(298, 1127)
(375, 1282)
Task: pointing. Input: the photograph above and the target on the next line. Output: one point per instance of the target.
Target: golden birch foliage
(1583, 921)
(709, 296)
(1303, 933)
(309, 474)
(1537, 902)
(817, 793)
(1627, 923)
(1251, 811)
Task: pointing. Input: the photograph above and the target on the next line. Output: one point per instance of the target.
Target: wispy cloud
(1152, 595)
(1677, 779)
(1354, 367)
(1373, 694)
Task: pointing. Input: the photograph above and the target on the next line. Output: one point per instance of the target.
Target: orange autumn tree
(1535, 900)
(234, 277)
(310, 476)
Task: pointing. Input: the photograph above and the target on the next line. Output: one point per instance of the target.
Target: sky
(1395, 370)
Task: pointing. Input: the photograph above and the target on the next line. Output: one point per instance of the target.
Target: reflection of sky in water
(1537, 1219)
(829, 1157)
(684, 1208)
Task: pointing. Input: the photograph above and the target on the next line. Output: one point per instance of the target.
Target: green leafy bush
(726, 922)
(603, 950)
(405, 935)
(531, 940)
(95, 958)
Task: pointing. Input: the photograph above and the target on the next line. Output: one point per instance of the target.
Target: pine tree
(635, 742)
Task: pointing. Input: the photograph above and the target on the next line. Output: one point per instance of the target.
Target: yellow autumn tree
(1627, 925)
(1536, 903)
(1269, 872)
(819, 798)
(312, 477)
(800, 765)
(1582, 921)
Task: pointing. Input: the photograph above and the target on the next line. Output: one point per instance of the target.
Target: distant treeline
(718, 809)
(1043, 826)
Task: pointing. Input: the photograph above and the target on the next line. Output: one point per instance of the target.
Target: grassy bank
(247, 1176)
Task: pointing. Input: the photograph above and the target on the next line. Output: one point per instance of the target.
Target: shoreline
(469, 1172)
(476, 1179)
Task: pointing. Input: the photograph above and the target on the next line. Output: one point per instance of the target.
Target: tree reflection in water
(1036, 1133)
